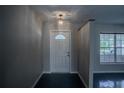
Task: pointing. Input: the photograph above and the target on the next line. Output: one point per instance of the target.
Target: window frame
(115, 49)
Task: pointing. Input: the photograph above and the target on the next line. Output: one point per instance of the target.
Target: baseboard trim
(46, 72)
(36, 81)
(83, 80)
(74, 72)
(60, 72)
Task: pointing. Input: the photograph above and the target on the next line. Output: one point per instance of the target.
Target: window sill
(111, 63)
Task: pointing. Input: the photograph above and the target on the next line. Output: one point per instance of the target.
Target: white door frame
(70, 58)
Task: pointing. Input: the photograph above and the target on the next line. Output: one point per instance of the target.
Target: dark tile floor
(59, 81)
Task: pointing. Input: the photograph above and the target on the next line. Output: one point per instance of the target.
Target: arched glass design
(60, 37)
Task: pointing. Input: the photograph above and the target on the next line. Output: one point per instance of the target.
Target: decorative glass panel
(60, 37)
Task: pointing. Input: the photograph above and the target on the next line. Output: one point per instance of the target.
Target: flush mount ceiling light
(66, 15)
(61, 16)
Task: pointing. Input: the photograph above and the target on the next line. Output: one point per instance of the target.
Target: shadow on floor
(60, 81)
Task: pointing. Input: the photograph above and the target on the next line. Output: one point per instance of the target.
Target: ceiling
(78, 14)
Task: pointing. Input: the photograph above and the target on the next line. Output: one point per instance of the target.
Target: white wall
(22, 46)
(84, 52)
(53, 26)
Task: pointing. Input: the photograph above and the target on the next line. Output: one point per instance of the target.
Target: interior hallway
(76, 40)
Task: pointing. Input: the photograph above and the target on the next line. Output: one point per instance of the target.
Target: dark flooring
(59, 81)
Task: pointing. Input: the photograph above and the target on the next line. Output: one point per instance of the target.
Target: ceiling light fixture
(60, 19)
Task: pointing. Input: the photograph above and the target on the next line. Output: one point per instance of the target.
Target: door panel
(60, 51)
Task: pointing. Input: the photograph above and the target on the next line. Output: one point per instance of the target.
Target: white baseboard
(46, 72)
(83, 80)
(59, 72)
(37, 80)
(74, 72)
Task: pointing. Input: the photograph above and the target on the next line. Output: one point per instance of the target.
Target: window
(120, 48)
(111, 48)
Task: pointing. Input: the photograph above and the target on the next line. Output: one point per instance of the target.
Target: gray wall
(1, 49)
(52, 25)
(107, 28)
(22, 44)
(84, 52)
(46, 48)
(74, 53)
(88, 50)
(95, 66)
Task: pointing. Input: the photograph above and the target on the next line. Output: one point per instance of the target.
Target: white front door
(60, 51)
